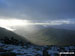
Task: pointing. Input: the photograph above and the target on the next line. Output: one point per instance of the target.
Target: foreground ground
(33, 50)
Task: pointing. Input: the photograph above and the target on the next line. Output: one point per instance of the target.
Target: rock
(7, 54)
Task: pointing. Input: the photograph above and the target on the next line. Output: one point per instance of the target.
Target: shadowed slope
(6, 33)
(52, 36)
(46, 36)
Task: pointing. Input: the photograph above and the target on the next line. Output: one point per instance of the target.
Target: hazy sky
(38, 9)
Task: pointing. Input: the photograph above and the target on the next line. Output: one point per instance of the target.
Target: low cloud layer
(9, 23)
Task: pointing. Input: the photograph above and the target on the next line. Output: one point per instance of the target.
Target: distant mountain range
(64, 26)
(45, 36)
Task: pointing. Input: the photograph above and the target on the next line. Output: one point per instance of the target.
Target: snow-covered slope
(33, 50)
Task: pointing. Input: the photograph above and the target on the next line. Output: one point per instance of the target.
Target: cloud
(37, 9)
(11, 23)
(20, 22)
(54, 22)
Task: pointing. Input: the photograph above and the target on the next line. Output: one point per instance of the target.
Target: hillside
(51, 36)
(6, 33)
(45, 36)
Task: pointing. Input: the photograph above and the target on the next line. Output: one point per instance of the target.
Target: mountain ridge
(6, 33)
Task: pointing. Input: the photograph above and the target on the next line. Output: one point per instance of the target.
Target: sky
(53, 12)
(38, 9)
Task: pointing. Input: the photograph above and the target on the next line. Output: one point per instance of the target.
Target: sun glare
(7, 23)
